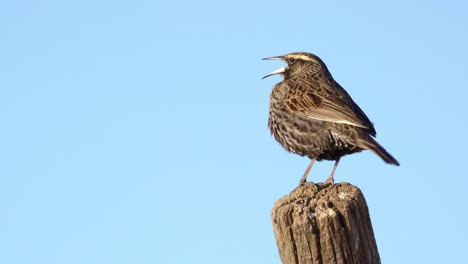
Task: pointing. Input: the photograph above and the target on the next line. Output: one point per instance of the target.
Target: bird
(312, 115)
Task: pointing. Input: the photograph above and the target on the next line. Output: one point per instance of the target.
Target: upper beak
(274, 58)
(278, 71)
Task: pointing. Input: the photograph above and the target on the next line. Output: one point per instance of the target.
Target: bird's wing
(321, 101)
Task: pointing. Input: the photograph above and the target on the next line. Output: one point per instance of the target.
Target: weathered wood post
(324, 223)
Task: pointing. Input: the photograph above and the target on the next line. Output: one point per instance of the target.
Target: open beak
(278, 71)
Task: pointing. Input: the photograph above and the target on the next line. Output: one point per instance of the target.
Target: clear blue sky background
(136, 131)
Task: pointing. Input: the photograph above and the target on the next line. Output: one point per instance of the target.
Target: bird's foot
(304, 177)
(330, 180)
(303, 180)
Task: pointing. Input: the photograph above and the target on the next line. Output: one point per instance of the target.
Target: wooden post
(324, 223)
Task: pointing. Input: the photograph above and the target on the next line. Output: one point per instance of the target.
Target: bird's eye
(291, 60)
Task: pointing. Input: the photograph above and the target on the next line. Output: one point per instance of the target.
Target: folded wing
(325, 102)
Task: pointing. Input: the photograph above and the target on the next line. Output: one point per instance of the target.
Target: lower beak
(278, 71)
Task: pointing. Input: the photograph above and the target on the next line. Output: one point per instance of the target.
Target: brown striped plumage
(312, 115)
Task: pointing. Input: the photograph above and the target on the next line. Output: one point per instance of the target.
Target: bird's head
(300, 64)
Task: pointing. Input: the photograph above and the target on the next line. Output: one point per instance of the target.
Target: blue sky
(136, 132)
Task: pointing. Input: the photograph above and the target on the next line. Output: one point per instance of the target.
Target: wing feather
(325, 102)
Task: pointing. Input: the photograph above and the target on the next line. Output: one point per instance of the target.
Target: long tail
(375, 147)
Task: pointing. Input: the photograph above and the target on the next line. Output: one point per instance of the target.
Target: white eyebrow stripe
(300, 57)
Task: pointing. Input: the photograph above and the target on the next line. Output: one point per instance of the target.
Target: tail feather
(375, 147)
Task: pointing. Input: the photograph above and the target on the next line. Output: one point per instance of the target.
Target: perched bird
(312, 115)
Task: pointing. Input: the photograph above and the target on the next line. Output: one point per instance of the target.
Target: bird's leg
(304, 177)
(330, 178)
